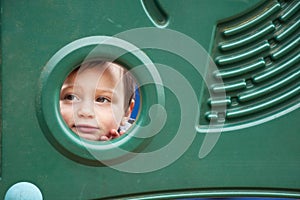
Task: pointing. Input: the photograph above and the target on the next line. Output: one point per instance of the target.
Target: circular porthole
(97, 100)
(57, 94)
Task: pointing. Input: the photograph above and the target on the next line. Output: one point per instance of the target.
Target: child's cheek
(67, 113)
(117, 112)
(107, 120)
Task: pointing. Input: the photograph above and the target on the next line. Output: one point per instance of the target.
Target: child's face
(92, 102)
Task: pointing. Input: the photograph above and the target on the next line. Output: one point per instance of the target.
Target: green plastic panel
(219, 85)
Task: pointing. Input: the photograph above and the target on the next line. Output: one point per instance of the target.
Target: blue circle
(23, 191)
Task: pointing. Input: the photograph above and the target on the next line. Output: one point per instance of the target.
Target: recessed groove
(246, 39)
(247, 53)
(257, 54)
(229, 86)
(257, 107)
(234, 101)
(239, 70)
(275, 85)
(211, 116)
(284, 49)
(249, 83)
(215, 116)
(276, 69)
(272, 43)
(290, 11)
(155, 12)
(291, 28)
(248, 23)
(268, 61)
(219, 102)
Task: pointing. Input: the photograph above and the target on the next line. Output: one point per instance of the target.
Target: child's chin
(88, 136)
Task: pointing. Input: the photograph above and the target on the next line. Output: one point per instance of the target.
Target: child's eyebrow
(72, 87)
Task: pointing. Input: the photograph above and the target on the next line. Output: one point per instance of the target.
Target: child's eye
(71, 97)
(103, 100)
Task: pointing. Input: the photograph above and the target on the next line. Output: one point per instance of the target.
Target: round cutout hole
(98, 100)
(68, 65)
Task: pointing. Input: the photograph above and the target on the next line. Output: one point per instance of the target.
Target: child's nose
(86, 110)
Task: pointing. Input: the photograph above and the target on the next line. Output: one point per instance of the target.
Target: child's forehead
(111, 71)
(99, 77)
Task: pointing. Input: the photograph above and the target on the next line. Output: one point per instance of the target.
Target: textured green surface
(261, 158)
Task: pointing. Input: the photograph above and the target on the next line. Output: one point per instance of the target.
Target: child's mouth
(84, 128)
